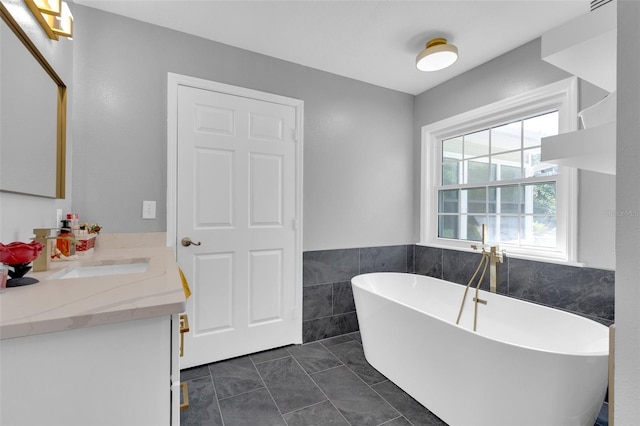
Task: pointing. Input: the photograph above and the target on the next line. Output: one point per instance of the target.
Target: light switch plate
(148, 209)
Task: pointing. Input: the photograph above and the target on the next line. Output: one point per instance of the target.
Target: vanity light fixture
(436, 55)
(54, 17)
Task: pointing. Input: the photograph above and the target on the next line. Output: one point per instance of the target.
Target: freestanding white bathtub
(526, 364)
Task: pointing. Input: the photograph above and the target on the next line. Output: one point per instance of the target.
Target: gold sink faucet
(42, 235)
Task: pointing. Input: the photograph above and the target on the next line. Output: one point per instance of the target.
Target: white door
(237, 198)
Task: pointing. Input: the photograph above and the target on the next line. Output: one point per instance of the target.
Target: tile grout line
(269, 360)
(319, 388)
(396, 418)
(311, 377)
(333, 299)
(240, 394)
(390, 404)
(306, 406)
(215, 392)
(265, 386)
(365, 383)
(328, 316)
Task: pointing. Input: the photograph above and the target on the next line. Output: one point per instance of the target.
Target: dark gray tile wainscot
(587, 292)
(328, 307)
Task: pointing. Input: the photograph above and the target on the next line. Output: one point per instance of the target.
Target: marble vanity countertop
(65, 304)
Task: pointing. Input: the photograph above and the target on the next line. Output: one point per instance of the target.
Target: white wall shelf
(586, 46)
(590, 149)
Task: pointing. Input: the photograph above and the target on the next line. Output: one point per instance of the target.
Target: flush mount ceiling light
(53, 16)
(436, 55)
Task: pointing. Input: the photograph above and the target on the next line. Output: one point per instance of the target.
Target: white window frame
(561, 95)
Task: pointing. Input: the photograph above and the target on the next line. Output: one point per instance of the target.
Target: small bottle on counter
(74, 223)
(4, 271)
(64, 245)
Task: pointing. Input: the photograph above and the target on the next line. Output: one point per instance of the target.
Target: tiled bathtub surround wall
(329, 310)
(584, 291)
(328, 307)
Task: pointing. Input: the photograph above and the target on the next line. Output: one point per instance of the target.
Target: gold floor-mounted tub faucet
(490, 259)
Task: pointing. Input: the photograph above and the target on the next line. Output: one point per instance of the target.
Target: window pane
(535, 128)
(450, 171)
(509, 199)
(476, 144)
(478, 170)
(509, 229)
(506, 138)
(503, 229)
(448, 226)
(526, 199)
(474, 227)
(492, 199)
(539, 231)
(533, 167)
(448, 201)
(544, 198)
(452, 148)
(492, 230)
(508, 165)
(476, 200)
(503, 199)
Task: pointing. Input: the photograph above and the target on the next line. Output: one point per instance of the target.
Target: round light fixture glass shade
(436, 55)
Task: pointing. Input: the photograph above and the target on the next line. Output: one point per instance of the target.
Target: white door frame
(175, 80)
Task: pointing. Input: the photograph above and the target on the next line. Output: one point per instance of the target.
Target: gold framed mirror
(33, 116)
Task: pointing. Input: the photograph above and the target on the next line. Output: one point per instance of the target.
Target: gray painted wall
(515, 72)
(359, 151)
(627, 372)
(19, 213)
(358, 187)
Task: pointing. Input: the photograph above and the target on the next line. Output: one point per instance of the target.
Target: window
(485, 167)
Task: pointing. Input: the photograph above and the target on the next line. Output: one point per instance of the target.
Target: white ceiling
(371, 41)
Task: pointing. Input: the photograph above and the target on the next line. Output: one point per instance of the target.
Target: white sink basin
(102, 268)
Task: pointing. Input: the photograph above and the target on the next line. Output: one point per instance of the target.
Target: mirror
(32, 117)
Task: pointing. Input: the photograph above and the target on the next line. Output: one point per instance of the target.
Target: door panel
(266, 190)
(236, 195)
(213, 306)
(214, 203)
(266, 286)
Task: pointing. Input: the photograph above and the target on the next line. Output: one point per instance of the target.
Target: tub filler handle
(484, 263)
(489, 259)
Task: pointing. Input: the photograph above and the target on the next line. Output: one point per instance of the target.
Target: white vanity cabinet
(97, 349)
(123, 373)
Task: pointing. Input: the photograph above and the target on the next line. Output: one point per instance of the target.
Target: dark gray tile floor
(323, 383)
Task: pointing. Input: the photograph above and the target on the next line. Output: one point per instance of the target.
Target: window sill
(508, 253)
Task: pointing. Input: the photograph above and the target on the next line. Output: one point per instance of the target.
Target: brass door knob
(186, 241)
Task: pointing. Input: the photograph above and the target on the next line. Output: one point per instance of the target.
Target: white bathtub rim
(602, 353)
